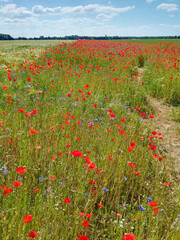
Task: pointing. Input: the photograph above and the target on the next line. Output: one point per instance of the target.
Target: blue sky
(34, 18)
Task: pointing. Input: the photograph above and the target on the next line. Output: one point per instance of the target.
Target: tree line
(76, 37)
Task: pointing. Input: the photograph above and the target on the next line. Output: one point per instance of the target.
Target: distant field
(6, 46)
(154, 40)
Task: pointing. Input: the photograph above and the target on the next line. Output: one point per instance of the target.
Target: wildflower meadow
(80, 155)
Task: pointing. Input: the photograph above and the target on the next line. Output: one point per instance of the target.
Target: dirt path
(164, 123)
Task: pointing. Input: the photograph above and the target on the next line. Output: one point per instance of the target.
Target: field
(81, 154)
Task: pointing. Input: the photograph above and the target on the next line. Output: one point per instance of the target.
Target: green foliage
(141, 59)
(5, 37)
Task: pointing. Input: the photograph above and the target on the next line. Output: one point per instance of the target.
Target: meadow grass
(79, 156)
(174, 40)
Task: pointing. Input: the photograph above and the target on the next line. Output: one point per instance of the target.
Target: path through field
(165, 124)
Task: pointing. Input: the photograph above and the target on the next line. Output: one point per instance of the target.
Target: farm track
(164, 123)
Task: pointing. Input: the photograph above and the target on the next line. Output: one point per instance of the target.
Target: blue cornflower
(41, 179)
(142, 208)
(5, 171)
(105, 189)
(149, 199)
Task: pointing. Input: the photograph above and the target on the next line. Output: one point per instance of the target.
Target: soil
(164, 123)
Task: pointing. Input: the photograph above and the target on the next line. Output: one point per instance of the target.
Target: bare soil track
(164, 123)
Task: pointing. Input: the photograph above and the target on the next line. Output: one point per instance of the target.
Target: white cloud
(11, 11)
(145, 27)
(4, 1)
(168, 7)
(150, 1)
(91, 8)
(105, 17)
(174, 26)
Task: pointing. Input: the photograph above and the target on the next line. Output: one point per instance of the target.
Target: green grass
(176, 114)
(154, 40)
(88, 98)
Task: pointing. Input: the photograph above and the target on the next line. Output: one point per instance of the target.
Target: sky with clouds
(36, 18)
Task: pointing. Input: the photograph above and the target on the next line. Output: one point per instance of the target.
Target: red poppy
(31, 131)
(33, 234)
(81, 214)
(92, 166)
(67, 201)
(21, 170)
(52, 178)
(143, 114)
(27, 114)
(7, 191)
(27, 218)
(76, 153)
(85, 223)
(118, 215)
(154, 132)
(101, 206)
(92, 182)
(17, 184)
(153, 204)
(88, 215)
(34, 111)
(121, 131)
(88, 161)
(131, 165)
(4, 87)
(130, 149)
(156, 210)
(112, 115)
(132, 144)
(153, 147)
(128, 236)
(83, 237)
(3, 187)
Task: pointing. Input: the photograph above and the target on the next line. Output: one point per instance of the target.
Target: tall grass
(89, 151)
